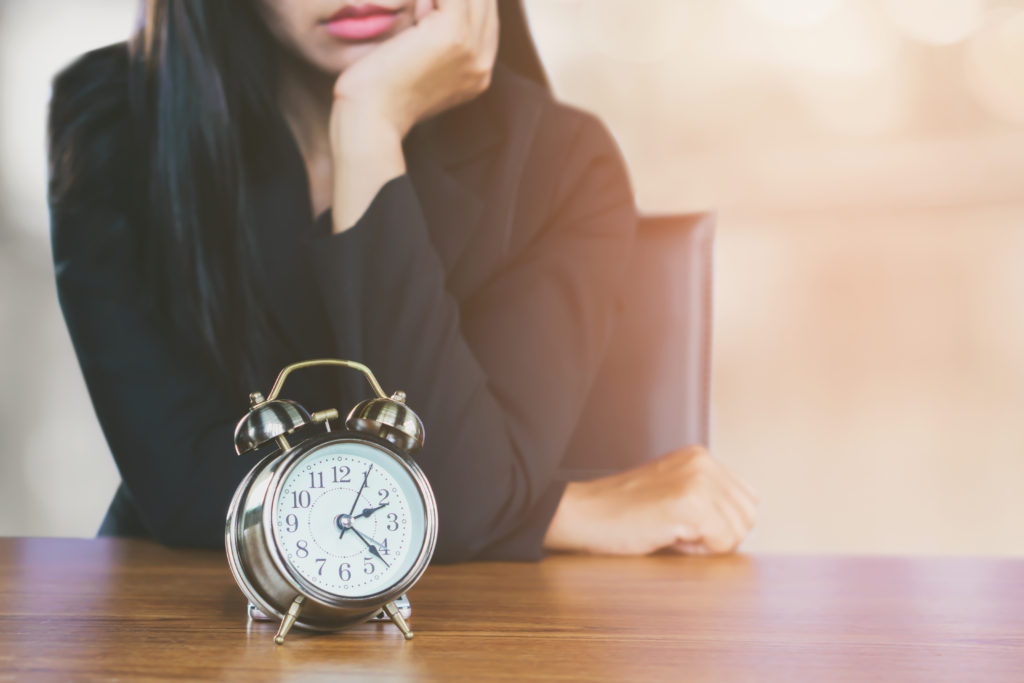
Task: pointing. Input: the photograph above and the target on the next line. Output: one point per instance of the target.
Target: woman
(247, 184)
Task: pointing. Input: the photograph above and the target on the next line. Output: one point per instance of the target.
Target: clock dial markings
(322, 524)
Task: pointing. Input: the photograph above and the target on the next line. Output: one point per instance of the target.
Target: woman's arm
(686, 500)
(499, 384)
(443, 61)
(168, 425)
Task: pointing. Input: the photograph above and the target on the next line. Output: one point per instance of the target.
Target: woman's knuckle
(700, 455)
(484, 80)
(721, 543)
(447, 36)
(682, 506)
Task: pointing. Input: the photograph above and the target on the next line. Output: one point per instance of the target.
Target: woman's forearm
(568, 529)
(366, 153)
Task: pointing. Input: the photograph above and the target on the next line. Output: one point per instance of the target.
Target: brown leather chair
(653, 392)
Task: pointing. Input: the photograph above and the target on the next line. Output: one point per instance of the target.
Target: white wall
(56, 474)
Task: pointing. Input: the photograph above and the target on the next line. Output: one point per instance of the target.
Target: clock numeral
(293, 522)
(302, 549)
(341, 474)
(316, 480)
(383, 493)
(320, 569)
(383, 548)
(392, 521)
(345, 571)
(368, 567)
(300, 499)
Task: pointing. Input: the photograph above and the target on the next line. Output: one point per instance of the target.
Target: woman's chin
(336, 58)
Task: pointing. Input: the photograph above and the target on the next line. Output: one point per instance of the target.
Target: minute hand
(372, 547)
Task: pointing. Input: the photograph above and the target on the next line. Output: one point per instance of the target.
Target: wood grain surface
(105, 608)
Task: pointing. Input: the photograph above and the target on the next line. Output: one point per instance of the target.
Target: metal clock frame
(264, 573)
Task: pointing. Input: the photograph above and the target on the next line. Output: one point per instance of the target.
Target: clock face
(349, 518)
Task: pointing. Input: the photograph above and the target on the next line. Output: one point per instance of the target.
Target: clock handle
(279, 382)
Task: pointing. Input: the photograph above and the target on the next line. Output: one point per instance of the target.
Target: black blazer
(482, 283)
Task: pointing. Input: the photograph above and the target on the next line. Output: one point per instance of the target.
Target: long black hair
(201, 82)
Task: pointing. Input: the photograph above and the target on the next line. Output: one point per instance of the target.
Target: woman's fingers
(747, 491)
(745, 507)
(490, 28)
(718, 521)
(690, 547)
(723, 514)
(421, 9)
(477, 17)
(736, 520)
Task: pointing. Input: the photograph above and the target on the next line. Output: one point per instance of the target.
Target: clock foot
(395, 615)
(289, 619)
(403, 605)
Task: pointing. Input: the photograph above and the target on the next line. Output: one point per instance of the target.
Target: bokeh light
(795, 13)
(995, 64)
(624, 31)
(871, 103)
(936, 23)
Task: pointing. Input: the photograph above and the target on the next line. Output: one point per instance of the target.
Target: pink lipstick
(361, 22)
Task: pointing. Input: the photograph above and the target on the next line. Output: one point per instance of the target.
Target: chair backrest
(652, 394)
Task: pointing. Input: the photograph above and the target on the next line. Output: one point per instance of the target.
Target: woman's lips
(361, 22)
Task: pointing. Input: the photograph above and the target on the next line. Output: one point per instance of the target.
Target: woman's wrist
(366, 153)
(568, 530)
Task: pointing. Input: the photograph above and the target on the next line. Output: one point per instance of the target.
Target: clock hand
(365, 477)
(369, 511)
(369, 538)
(354, 501)
(373, 548)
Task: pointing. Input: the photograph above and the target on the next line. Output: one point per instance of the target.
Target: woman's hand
(685, 501)
(442, 61)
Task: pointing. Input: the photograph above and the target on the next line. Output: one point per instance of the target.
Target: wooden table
(108, 608)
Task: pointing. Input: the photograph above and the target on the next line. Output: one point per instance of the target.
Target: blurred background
(866, 160)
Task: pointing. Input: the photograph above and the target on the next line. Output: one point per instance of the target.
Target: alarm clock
(331, 530)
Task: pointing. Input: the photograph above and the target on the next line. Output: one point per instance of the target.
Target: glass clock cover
(349, 519)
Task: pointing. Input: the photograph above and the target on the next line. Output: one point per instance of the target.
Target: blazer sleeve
(501, 382)
(168, 424)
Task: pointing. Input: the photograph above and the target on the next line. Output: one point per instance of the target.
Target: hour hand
(369, 511)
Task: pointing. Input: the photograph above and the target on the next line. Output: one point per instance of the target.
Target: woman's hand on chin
(684, 501)
(442, 61)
